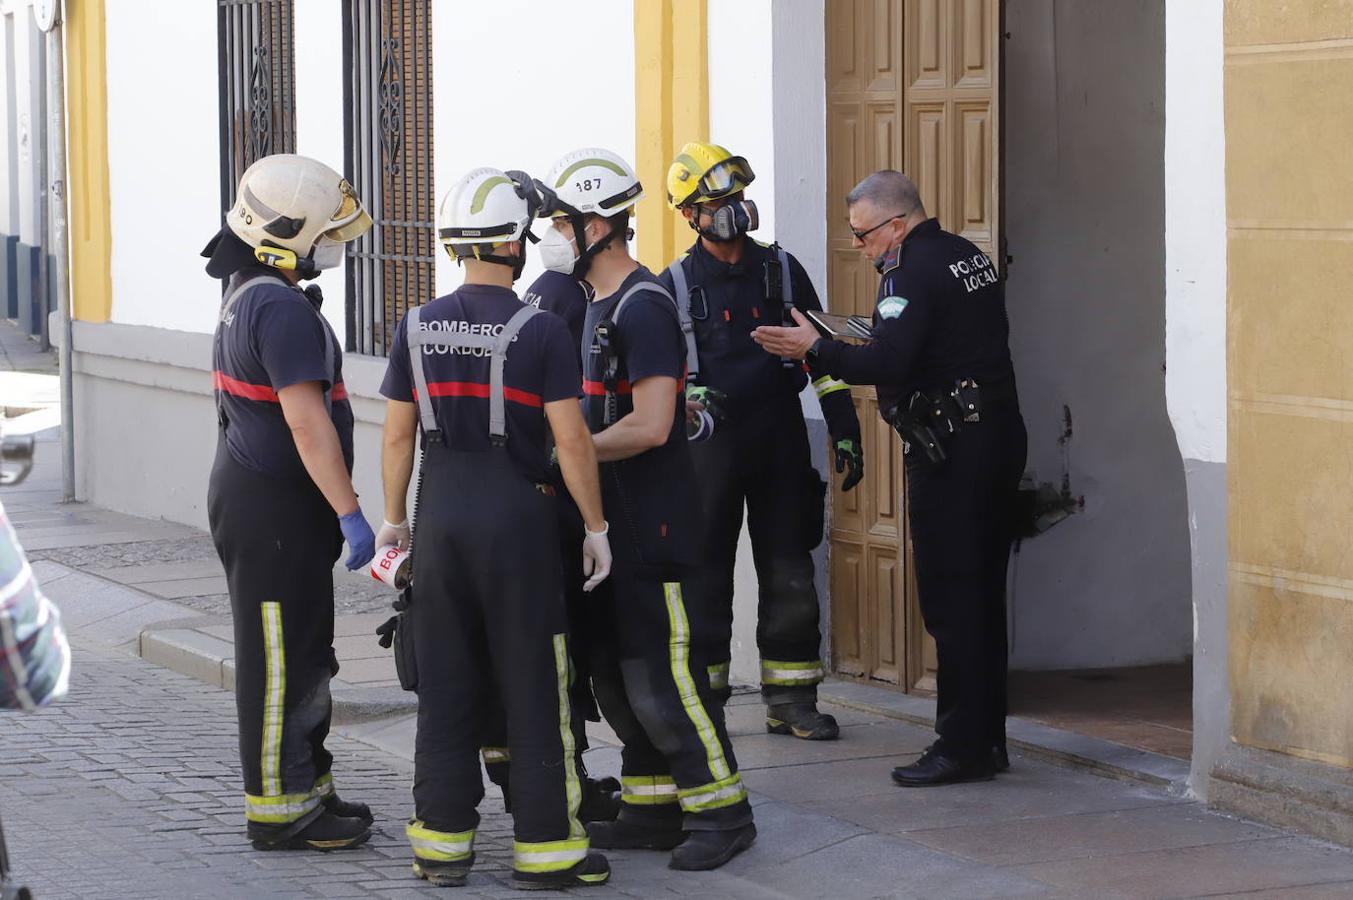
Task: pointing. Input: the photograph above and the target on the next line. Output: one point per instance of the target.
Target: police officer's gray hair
(889, 190)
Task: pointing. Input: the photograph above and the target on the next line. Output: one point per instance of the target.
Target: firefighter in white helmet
(481, 374)
(679, 778)
(281, 501)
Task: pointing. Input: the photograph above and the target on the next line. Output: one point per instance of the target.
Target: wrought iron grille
(388, 158)
(256, 55)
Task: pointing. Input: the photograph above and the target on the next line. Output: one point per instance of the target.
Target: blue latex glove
(361, 540)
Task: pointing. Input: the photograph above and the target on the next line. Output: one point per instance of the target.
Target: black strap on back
(606, 337)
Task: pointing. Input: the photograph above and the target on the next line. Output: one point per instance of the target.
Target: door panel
(911, 85)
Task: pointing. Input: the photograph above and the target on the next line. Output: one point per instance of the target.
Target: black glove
(849, 456)
(386, 632)
(710, 399)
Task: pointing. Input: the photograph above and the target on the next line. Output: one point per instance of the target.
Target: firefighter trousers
(677, 765)
(762, 462)
(962, 516)
(278, 542)
(489, 629)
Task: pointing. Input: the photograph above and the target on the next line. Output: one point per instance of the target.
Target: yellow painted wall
(1289, 197)
(671, 99)
(91, 237)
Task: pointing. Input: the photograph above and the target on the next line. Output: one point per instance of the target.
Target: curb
(1054, 745)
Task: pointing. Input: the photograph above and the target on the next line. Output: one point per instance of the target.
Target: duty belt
(928, 419)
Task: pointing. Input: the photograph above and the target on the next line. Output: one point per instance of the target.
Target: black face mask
(730, 221)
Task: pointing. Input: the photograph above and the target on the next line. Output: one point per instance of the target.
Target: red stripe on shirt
(475, 389)
(262, 392)
(237, 388)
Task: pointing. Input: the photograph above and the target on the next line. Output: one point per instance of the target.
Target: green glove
(708, 397)
(849, 459)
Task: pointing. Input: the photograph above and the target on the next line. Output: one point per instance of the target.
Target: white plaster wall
(28, 111)
(742, 96)
(163, 163)
(1195, 229)
(9, 163)
(319, 115)
(512, 103)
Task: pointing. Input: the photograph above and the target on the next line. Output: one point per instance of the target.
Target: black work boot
(601, 801)
(348, 809)
(936, 767)
(443, 874)
(711, 849)
(1000, 758)
(592, 871)
(324, 832)
(636, 833)
(802, 720)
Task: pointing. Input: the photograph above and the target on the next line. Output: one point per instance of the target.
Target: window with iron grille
(388, 159)
(257, 83)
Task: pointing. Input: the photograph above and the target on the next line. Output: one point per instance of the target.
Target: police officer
(758, 456)
(281, 501)
(481, 373)
(941, 359)
(680, 784)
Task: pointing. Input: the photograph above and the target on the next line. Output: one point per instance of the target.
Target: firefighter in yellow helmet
(759, 456)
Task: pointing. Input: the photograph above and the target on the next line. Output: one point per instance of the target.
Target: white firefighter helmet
(292, 203)
(591, 180)
(486, 206)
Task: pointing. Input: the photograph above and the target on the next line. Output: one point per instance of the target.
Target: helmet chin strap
(585, 256)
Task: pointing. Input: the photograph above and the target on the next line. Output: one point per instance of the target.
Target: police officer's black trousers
(488, 617)
(762, 461)
(962, 525)
(278, 541)
(677, 766)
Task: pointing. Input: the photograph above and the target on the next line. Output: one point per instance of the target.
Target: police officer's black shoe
(601, 801)
(1000, 758)
(592, 871)
(635, 834)
(325, 832)
(348, 809)
(443, 874)
(711, 849)
(803, 721)
(936, 768)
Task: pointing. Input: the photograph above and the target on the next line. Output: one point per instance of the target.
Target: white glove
(393, 534)
(596, 556)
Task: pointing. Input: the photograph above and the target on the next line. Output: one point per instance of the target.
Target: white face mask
(328, 254)
(556, 252)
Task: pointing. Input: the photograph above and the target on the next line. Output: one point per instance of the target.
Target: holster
(925, 426)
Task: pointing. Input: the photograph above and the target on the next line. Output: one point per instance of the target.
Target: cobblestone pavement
(352, 593)
(131, 788)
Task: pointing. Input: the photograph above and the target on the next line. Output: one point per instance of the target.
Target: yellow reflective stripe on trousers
(647, 790)
(495, 755)
(324, 785)
(718, 676)
(789, 673)
(439, 846)
(679, 646)
(714, 796)
(573, 791)
(548, 856)
(828, 385)
(274, 695)
(281, 808)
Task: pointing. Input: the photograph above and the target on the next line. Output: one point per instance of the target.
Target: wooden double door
(912, 85)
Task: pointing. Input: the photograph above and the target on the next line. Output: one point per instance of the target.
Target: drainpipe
(60, 271)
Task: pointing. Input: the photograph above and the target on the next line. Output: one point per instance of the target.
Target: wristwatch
(811, 355)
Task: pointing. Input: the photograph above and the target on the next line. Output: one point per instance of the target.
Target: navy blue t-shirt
(541, 367)
(562, 295)
(649, 499)
(274, 337)
(648, 341)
